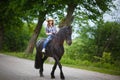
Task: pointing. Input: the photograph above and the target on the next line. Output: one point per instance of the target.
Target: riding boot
(43, 50)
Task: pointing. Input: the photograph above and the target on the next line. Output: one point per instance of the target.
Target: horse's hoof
(62, 78)
(41, 75)
(52, 77)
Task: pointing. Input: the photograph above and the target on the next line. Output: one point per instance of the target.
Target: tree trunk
(1, 36)
(105, 47)
(109, 41)
(32, 41)
(69, 17)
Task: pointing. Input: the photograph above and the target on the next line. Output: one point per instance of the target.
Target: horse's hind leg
(41, 65)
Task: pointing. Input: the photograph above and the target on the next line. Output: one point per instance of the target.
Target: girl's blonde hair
(48, 24)
(50, 19)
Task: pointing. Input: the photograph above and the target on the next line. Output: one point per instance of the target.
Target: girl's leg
(46, 42)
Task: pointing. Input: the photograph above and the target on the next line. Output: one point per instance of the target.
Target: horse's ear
(70, 27)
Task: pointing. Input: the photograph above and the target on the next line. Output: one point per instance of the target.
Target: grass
(20, 55)
(98, 67)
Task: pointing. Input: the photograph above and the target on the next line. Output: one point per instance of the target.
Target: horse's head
(68, 35)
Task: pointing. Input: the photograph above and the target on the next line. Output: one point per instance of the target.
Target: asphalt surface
(12, 68)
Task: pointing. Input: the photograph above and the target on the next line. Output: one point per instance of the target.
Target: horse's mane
(61, 32)
(60, 35)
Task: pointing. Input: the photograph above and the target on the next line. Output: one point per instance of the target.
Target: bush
(15, 39)
(107, 65)
(97, 64)
(117, 63)
(86, 63)
(106, 58)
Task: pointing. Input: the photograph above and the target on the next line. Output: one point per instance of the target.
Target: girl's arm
(47, 32)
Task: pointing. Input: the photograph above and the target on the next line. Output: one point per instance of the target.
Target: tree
(47, 7)
(109, 42)
(69, 17)
(30, 10)
(35, 35)
(8, 18)
(95, 43)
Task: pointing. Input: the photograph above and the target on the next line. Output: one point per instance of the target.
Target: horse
(54, 49)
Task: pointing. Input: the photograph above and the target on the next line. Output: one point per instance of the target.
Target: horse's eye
(67, 32)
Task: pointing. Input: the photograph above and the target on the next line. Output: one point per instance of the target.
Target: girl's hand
(49, 33)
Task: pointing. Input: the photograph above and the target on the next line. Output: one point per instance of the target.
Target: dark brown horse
(54, 49)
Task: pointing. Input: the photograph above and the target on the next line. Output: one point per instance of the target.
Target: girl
(50, 31)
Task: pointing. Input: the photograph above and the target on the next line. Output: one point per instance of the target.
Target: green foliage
(78, 51)
(109, 42)
(73, 54)
(42, 33)
(95, 43)
(16, 12)
(96, 66)
(15, 39)
(106, 58)
(117, 63)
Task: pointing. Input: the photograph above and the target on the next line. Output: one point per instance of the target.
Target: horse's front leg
(53, 70)
(60, 67)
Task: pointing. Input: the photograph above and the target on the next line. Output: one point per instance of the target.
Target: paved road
(12, 68)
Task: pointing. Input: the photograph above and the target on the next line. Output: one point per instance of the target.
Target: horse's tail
(38, 57)
(37, 60)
